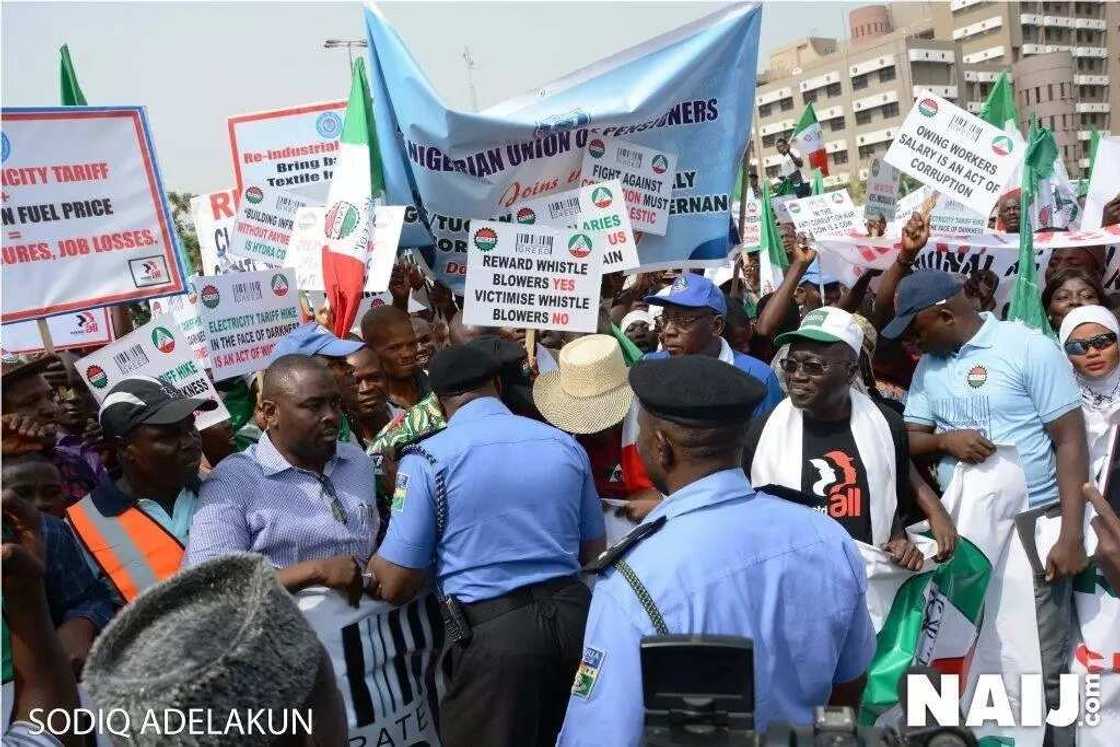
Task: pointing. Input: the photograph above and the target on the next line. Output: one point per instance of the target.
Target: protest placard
(184, 309)
(74, 329)
(214, 215)
(369, 301)
(948, 218)
(750, 230)
(1105, 183)
(293, 148)
(244, 314)
(832, 212)
(264, 225)
(159, 350)
(781, 207)
(84, 216)
(882, 191)
(599, 210)
(531, 277)
(646, 174)
(959, 155)
(305, 249)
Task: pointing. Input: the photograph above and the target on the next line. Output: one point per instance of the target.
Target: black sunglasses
(1100, 342)
(811, 368)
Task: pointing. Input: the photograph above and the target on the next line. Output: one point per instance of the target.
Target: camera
(699, 690)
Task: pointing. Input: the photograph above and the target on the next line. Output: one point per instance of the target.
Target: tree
(184, 226)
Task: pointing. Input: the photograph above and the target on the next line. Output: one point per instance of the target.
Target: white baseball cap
(827, 324)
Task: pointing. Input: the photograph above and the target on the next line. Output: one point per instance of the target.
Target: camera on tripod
(699, 690)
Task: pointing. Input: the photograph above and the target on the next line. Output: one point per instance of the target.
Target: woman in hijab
(1088, 335)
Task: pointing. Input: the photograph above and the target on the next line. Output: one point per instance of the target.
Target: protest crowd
(367, 510)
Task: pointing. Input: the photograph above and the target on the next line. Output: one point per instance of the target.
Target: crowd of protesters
(148, 561)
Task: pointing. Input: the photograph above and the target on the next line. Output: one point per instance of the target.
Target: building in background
(1062, 57)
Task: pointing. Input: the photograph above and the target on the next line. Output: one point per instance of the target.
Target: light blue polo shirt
(1007, 382)
(729, 561)
(520, 498)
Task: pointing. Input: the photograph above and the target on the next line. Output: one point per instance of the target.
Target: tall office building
(1062, 57)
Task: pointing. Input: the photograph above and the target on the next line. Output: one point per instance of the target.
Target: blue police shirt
(752, 366)
(1007, 382)
(729, 561)
(520, 496)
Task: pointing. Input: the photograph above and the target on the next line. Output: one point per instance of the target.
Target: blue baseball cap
(919, 291)
(314, 339)
(815, 276)
(692, 292)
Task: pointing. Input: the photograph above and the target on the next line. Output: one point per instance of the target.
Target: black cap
(919, 291)
(507, 352)
(142, 400)
(696, 390)
(462, 368)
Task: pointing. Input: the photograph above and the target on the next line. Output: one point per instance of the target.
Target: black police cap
(696, 390)
(505, 351)
(461, 368)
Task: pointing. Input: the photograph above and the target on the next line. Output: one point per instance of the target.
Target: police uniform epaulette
(789, 494)
(615, 552)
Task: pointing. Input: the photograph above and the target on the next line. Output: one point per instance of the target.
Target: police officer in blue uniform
(715, 557)
(503, 511)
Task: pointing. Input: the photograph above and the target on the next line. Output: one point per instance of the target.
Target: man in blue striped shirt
(298, 496)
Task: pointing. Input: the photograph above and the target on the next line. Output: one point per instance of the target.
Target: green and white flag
(68, 80)
(1026, 294)
(809, 141)
(999, 110)
(772, 259)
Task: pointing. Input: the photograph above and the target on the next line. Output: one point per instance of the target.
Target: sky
(195, 63)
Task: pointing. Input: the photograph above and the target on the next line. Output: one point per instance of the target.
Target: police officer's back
(503, 509)
(717, 558)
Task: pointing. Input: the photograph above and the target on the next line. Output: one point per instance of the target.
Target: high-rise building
(1062, 57)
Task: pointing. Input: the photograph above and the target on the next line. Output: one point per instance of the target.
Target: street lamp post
(349, 44)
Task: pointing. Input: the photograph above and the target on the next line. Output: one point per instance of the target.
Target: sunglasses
(1100, 342)
(812, 368)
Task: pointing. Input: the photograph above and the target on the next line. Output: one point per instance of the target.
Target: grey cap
(223, 635)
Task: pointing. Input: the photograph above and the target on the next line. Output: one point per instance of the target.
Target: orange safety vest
(132, 549)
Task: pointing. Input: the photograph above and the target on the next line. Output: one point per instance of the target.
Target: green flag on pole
(71, 92)
(1026, 295)
(999, 108)
(772, 259)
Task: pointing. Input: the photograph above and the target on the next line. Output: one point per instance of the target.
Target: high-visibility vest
(132, 549)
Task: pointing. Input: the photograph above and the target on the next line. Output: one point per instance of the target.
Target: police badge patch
(399, 492)
(588, 672)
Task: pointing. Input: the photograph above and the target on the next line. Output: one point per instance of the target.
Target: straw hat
(589, 392)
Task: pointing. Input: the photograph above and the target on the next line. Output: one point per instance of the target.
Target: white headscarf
(1100, 394)
(637, 315)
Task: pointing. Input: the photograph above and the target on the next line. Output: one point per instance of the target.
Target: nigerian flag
(1026, 294)
(772, 259)
(933, 620)
(809, 140)
(999, 111)
(71, 92)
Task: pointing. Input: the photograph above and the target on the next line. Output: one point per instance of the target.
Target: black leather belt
(479, 612)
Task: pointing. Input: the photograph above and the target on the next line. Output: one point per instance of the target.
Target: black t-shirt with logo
(834, 478)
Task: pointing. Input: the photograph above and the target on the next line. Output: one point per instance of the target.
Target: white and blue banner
(689, 92)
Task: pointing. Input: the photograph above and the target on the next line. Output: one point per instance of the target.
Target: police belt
(478, 613)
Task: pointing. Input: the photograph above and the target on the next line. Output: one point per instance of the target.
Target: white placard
(1105, 184)
(882, 191)
(76, 329)
(184, 309)
(531, 277)
(305, 250)
(750, 232)
(293, 148)
(646, 174)
(214, 215)
(599, 210)
(781, 207)
(85, 221)
(158, 349)
(244, 315)
(832, 212)
(264, 225)
(954, 152)
(948, 218)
